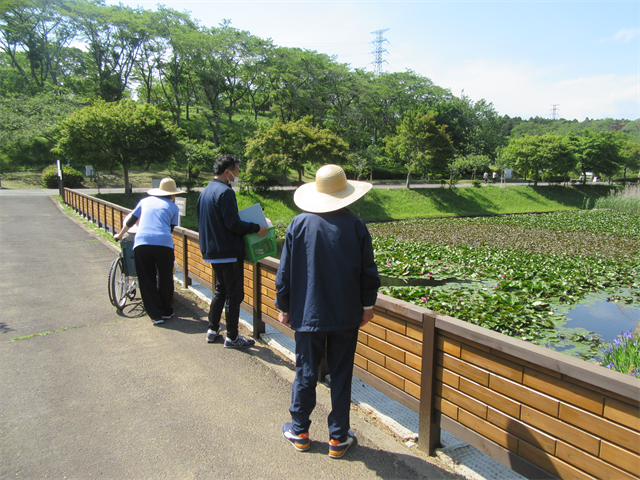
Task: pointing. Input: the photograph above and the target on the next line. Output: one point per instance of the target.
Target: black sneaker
(212, 334)
(300, 442)
(337, 449)
(239, 342)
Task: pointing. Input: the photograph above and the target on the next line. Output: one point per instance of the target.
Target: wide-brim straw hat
(330, 192)
(167, 187)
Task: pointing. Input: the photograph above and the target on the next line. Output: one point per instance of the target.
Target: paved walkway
(87, 392)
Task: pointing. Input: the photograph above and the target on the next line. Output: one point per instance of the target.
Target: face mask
(233, 182)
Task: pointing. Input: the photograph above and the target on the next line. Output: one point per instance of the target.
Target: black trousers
(154, 265)
(229, 293)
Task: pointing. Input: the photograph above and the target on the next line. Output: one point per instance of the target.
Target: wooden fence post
(186, 281)
(428, 427)
(258, 324)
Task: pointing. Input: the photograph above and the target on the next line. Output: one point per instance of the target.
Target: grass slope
(402, 203)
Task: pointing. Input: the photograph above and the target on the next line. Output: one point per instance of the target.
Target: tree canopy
(421, 144)
(114, 134)
(533, 154)
(220, 83)
(289, 146)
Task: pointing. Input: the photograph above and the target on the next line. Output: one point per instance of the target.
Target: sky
(581, 58)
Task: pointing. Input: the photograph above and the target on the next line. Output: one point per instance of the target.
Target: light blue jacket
(156, 215)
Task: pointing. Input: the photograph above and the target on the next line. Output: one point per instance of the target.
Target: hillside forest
(115, 87)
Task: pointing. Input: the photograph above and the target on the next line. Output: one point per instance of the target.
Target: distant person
(486, 177)
(326, 287)
(495, 175)
(153, 248)
(222, 245)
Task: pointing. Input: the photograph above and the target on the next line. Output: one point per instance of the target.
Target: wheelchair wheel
(118, 284)
(132, 292)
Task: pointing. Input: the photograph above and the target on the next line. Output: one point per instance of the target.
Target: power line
(377, 53)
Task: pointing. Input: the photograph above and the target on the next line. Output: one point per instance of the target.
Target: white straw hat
(167, 187)
(330, 192)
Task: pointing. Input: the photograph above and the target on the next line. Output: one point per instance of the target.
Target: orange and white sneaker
(337, 449)
(300, 441)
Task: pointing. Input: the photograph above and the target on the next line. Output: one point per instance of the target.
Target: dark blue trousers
(341, 348)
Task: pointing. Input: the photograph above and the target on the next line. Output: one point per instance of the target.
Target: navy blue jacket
(327, 273)
(219, 225)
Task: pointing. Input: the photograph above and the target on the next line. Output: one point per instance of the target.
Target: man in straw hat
(326, 285)
(153, 248)
(222, 246)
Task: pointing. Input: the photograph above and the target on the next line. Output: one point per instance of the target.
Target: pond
(595, 313)
(606, 318)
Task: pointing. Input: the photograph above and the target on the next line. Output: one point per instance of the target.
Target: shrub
(187, 183)
(391, 173)
(72, 178)
(551, 178)
(476, 183)
(259, 183)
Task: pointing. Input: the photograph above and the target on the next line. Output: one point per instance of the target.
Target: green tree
(474, 128)
(597, 152)
(173, 62)
(385, 99)
(35, 36)
(522, 155)
(255, 77)
(114, 36)
(421, 145)
(475, 164)
(281, 147)
(192, 156)
(364, 161)
(537, 153)
(119, 133)
(455, 168)
(209, 69)
(298, 84)
(344, 115)
(630, 157)
(557, 154)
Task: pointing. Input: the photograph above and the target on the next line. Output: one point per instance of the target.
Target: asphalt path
(87, 392)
